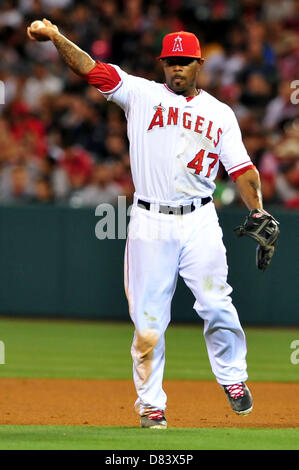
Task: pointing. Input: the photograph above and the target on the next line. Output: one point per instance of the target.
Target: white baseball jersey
(176, 143)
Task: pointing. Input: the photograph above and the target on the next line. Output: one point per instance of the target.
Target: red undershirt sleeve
(104, 77)
(235, 174)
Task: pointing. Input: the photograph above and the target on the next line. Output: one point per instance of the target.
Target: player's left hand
(262, 227)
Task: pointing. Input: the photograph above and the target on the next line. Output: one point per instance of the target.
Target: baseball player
(178, 134)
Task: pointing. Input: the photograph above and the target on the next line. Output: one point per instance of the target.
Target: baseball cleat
(239, 398)
(154, 420)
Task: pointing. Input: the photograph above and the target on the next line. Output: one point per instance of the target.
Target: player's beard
(178, 85)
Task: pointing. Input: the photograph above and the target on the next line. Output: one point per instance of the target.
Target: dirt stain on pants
(142, 353)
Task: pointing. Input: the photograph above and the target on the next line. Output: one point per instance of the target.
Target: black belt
(178, 210)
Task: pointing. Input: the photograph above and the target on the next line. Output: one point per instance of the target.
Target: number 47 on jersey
(196, 163)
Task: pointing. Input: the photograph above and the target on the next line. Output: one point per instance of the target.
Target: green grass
(69, 349)
(114, 438)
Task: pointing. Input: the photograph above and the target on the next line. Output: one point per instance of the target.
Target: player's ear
(201, 61)
(163, 63)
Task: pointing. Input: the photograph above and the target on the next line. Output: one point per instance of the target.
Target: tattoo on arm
(256, 190)
(79, 61)
(250, 189)
(252, 194)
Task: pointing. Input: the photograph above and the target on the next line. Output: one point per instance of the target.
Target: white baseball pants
(159, 247)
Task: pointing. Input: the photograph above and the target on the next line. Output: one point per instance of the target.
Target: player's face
(181, 74)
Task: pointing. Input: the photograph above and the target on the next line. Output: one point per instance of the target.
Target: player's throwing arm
(79, 61)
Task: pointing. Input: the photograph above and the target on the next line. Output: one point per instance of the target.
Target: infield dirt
(191, 404)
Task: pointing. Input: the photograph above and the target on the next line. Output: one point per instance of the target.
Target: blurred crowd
(61, 142)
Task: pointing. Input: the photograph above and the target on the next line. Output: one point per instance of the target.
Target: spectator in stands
(18, 188)
(42, 82)
(43, 193)
(280, 107)
(25, 125)
(101, 190)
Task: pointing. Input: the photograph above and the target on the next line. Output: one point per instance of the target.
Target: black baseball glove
(263, 228)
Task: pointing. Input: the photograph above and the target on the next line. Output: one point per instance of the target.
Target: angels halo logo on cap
(177, 45)
(180, 44)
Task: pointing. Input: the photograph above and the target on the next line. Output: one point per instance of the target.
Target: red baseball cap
(180, 44)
